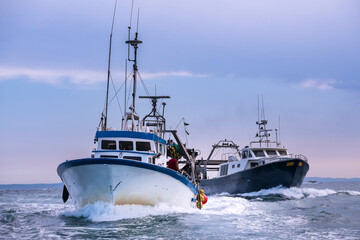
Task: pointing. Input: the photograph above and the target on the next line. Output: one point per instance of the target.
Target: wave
(351, 193)
(290, 193)
(221, 204)
(104, 212)
(282, 193)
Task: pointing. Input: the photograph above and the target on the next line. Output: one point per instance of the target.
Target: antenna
(132, 8)
(129, 27)
(137, 24)
(263, 108)
(279, 131)
(108, 78)
(258, 108)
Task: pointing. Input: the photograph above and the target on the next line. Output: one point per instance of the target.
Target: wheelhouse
(138, 146)
(256, 153)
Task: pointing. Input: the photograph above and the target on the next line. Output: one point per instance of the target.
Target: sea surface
(329, 210)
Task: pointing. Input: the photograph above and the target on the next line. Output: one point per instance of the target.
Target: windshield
(259, 153)
(271, 152)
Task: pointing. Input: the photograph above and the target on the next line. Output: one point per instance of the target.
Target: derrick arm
(189, 158)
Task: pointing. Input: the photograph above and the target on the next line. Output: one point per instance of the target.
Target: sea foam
(292, 193)
(103, 212)
(221, 204)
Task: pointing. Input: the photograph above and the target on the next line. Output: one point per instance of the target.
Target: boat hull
(287, 173)
(120, 181)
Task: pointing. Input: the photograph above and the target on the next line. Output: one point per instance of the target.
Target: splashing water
(103, 212)
(291, 193)
(317, 211)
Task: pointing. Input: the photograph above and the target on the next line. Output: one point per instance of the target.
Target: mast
(108, 76)
(263, 133)
(134, 43)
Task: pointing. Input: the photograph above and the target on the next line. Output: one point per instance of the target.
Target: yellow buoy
(200, 199)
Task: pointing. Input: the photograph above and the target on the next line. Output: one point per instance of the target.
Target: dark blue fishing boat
(262, 165)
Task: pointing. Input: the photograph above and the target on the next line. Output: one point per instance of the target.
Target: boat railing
(277, 158)
(299, 156)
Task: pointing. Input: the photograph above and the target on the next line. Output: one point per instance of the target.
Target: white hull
(123, 184)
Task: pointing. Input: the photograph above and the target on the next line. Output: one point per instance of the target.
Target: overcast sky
(213, 58)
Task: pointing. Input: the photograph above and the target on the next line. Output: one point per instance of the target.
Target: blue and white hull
(121, 181)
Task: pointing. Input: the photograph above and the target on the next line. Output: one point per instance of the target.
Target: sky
(212, 57)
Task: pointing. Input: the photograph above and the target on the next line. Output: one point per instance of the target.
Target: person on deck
(174, 165)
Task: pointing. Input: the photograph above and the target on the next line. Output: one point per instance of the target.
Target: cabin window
(108, 156)
(238, 165)
(271, 152)
(282, 153)
(132, 158)
(245, 154)
(224, 170)
(143, 146)
(253, 165)
(233, 166)
(107, 144)
(259, 153)
(126, 145)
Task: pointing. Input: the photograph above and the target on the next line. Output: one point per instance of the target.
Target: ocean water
(314, 211)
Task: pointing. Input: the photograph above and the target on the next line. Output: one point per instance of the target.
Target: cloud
(320, 84)
(171, 74)
(52, 76)
(77, 77)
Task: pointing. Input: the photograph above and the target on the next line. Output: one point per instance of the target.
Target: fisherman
(174, 165)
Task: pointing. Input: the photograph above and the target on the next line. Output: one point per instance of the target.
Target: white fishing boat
(128, 166)
(262, 165)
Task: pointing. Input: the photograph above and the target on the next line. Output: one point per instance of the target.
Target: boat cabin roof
(129, 134)
(263, 148)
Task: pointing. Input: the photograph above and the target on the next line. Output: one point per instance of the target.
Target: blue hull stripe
(112, 161)
(129, 134)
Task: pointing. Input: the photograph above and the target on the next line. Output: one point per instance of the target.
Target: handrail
(299, 156)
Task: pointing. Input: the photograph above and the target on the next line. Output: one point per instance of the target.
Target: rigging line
(130, 89)
(179, 123)
(102, 114)
(217, 151)
(116, 95)
(116, 92)
(124, 83)
(144, 86)
(160, 105)
(130, 74)
(104, 107)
